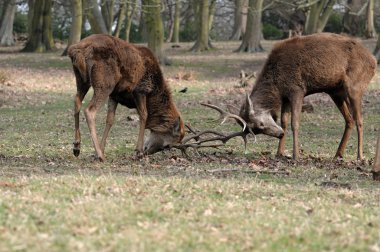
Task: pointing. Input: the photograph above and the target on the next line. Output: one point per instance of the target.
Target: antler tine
(225, 115)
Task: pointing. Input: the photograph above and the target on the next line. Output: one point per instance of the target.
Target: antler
(196, 141)
(225, 115)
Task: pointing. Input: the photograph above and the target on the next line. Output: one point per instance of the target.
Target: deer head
(259, 120)
(158, 141)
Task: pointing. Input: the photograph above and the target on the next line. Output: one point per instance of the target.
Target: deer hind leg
(140, 101)
(82, 89)
(285, 110)
(112, 105)
(344, 109)
(356, 106)
(100, 95)
(296, 107)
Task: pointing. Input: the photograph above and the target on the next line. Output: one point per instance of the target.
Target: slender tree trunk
(252, 36)
(370, 31)
(177, 12)
(153, 22)
(202, 43)
(41, 35)
(351, 19)
(95, 18)
(131, 8)
(376, 165)
(107, 13)
(238, 20)
(120, 18)
(170, 25)
(318, 16)
(76, 25)
(6, 23)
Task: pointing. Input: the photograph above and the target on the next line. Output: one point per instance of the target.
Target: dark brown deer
(129, 75)
(376, 165)
(300, 66)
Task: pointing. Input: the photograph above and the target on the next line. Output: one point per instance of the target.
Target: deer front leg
(296, 106)
(140, 101)
(285, 110)
(112, 105)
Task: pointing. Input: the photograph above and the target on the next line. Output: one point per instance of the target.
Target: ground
(214, 200)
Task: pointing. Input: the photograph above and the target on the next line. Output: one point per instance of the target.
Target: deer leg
(96, 102)
(343, 108)
(140, 101)
(358, 117)
(81, 93)
(285, 109)
(296, 107)
(112, 105)
(376, 165)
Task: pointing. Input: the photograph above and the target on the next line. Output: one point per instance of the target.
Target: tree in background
(6, 23)
(107, 13)
(203, 23)
(40, 33)
(352, 17)
(94, 17)
(252, 36)
(154, 26)
(238, 29)
(176, 21)
(76, 24)
(370, 31)
(318, 15)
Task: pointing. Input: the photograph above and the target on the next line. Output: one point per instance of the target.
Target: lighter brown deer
(129, 75)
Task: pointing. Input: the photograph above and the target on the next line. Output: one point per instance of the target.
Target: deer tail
(78, 60)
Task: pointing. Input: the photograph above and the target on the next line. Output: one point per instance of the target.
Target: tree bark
(252, 36)
(318, 16)
(131, 8)
(351, 19)
(76, 25)
(120, 17)
(40, 35)
(377, 49)
(202, 42)
(153, 22)
(95, 18)
(370, 31)
(107, 13)
(6, 23)
(176, 25)
(238, 20)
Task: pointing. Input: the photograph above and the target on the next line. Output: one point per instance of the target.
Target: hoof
(76, 151)
(376, 175)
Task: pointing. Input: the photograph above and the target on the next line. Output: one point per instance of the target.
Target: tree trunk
(376, 165)
(131, 8)
(377, 49)
(202, 43)
(176, 24)
(41, 35)
(6, 23)
(107, 13)
(370, 31)
(318, 15)
(120, 18)
(351, 18)
(153, 22)
(238, 20)
(76, 25)
(95, 18)
(252, 36)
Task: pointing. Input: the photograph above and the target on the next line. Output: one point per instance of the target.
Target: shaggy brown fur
(129, 75)
(296, 67)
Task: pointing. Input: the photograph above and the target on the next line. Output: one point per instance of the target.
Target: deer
(376, 165)
(129, 75)
(337, 65)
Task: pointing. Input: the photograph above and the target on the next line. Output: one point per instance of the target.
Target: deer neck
(265, 96)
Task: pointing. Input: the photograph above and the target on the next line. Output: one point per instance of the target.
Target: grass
(52, 201)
